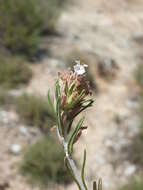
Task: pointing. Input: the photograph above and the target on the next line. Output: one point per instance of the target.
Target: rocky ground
(109, 30)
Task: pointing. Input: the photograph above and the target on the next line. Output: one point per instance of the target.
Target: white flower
(79, 69)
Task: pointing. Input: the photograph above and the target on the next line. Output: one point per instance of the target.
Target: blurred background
(38, 38)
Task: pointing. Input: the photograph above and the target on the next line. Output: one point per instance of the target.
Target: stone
(23, 130)
(107, 67)
(4, 116)
(99, 159)
(109, 143)
(15, 93)
(130, 170)
(15, 149)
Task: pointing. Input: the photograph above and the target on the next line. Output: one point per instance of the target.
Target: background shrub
(133, 185)
(22, 21)
(6, 99)
(33, 110)
(136, 147)
(13, 72)
(136, 150)
(139, 75)
(43, 163)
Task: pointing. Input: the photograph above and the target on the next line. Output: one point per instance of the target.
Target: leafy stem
(71, 98)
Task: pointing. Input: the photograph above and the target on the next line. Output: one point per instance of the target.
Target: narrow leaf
(58, 107)
(71, 89)
(78, 98)
(71, 140)
(71, 172)
(90, 102)
(59, 121)
(56, 90)
(82, 171)
(51, 105)
(66, 88)
(100, 184)
(70, 125)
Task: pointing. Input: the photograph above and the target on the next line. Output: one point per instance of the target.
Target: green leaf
(100, 184)
(70, 125)
(56, 89)
(58, 107)
(71, 172)
(59, 120)
(78, 98)
(71, 140)
(71, 89)
(51, 105)
(88, 104)
(66, 88)
(82, 171)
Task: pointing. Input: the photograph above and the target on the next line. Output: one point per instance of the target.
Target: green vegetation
(139, 75)
(136, 151)
(133, 185)
(13, 72)
(43, 163)
(5, 98)
(34, 110)
(22, 21)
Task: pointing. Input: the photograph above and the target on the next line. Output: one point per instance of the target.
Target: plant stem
(73, 167)
(71, 162)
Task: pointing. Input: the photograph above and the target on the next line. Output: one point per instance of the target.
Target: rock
(4, 117)
(107, 67)
(15, 93)
(132, 104)
(99, 159)
(109, 143)
(130, 170)
(15, 149)
(4, 185)
(23, 130)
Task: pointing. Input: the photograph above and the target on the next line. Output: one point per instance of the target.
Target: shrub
(135, 149)
(5, 99)
(33, 110)
(139, 75)
(43, 163)
(21, 22)
(133, 185)
(13, 72)
(51, 10)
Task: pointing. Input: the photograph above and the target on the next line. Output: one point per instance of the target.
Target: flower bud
(74, 88)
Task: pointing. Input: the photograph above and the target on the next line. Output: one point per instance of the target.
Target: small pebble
(15, 149)
(23, 130)
(130, 170)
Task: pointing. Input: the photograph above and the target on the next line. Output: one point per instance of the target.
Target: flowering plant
(72, 93)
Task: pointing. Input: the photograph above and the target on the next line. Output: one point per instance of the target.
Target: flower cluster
(74, 90)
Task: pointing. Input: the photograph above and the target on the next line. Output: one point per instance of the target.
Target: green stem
(73, 167)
